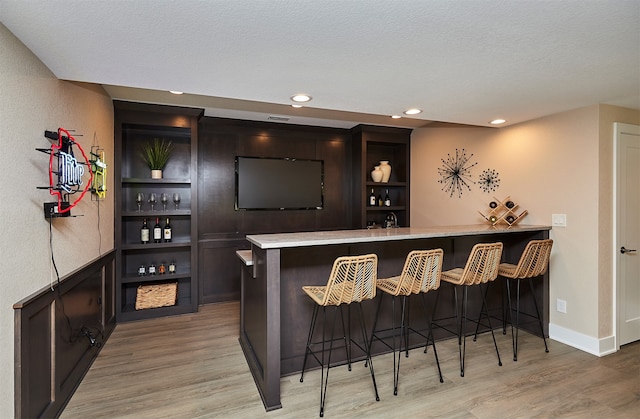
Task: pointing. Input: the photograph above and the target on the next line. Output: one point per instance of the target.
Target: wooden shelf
(372, 184)
(154, 278)
(163, 181)
(387, 209)
(162, 214)
(155, 246)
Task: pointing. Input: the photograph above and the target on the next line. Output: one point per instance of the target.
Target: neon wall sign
(99, 168)
(65, 173)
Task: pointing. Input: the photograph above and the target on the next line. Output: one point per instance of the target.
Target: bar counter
(275, 312)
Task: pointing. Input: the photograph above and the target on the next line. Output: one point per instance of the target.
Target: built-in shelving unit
(135, 125)
(372, 144)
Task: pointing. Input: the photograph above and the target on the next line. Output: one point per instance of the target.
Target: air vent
(278, 118)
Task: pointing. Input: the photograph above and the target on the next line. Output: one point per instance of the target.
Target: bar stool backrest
(421, 272)
(482, 265)
(534, 259)
(352, 279)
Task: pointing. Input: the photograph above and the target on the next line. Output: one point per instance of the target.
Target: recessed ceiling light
(301, 98)
(293, 105)
(412, 111)
(396, 116)
(175, 92)
(497, 121)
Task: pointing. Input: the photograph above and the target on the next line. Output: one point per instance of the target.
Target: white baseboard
(594, 346)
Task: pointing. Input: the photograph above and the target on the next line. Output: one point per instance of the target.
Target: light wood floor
(192, 366)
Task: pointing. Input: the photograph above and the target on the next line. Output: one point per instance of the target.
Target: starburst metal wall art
(489, 180)
(456, 173)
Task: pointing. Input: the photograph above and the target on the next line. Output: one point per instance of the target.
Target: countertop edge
(323, 238)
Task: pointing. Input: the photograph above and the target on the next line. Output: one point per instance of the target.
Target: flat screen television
(279, 184)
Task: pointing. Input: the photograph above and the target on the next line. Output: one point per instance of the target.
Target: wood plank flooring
(191, 366)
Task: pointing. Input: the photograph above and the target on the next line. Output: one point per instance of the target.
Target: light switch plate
(559, 220)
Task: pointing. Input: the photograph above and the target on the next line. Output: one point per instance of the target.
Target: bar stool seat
(420, 274)
(352, 280)
(481, 268)
(533, 262)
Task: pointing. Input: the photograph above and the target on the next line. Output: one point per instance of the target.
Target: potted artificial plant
(155, 155)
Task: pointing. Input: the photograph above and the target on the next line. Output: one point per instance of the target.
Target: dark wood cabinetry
(222, 228)
(135, 125)
(371, 145)
(207, 229)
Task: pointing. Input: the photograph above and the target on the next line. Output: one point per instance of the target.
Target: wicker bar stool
(533, 262)
(481, 268)
(352, 280)
(420, 274)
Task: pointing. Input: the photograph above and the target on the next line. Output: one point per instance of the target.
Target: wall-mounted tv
(279, 184)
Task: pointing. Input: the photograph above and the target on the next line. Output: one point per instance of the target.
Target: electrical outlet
(559, 220)
(561, 306)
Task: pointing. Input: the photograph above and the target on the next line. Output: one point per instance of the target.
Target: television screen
(278, 183)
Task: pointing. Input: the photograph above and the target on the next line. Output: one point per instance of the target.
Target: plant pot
(156, 174)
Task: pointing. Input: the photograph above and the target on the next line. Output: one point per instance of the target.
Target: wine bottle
(372, 199)
(157, 231)
(144, 232)
(380, 201)
(167, 231)
(387, 200)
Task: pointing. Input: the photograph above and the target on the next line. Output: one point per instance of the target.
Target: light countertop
(320, 238)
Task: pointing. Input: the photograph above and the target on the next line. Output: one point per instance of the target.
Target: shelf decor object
(156, 155)
(455, 173)
(503, 212)
(376, 174)
(386, 170)
(156, 295)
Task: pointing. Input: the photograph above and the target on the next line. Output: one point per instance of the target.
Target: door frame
(618, 129)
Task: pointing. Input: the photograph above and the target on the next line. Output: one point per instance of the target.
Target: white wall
(32, 101)
(549, 166)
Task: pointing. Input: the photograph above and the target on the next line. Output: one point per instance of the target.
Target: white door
(628, 232)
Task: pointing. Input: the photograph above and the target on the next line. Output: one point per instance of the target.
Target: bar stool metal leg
(535, 304)
(430, 336)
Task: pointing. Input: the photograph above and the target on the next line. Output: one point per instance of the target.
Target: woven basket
(156, 295)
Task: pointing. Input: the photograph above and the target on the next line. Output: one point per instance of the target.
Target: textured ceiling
(462, 61)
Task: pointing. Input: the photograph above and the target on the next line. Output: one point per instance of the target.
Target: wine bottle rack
(503, 212)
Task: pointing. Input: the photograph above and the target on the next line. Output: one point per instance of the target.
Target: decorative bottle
(157, 231)
(167, 231)
(144, 232)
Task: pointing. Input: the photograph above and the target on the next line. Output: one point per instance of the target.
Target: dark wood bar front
(275, 313)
